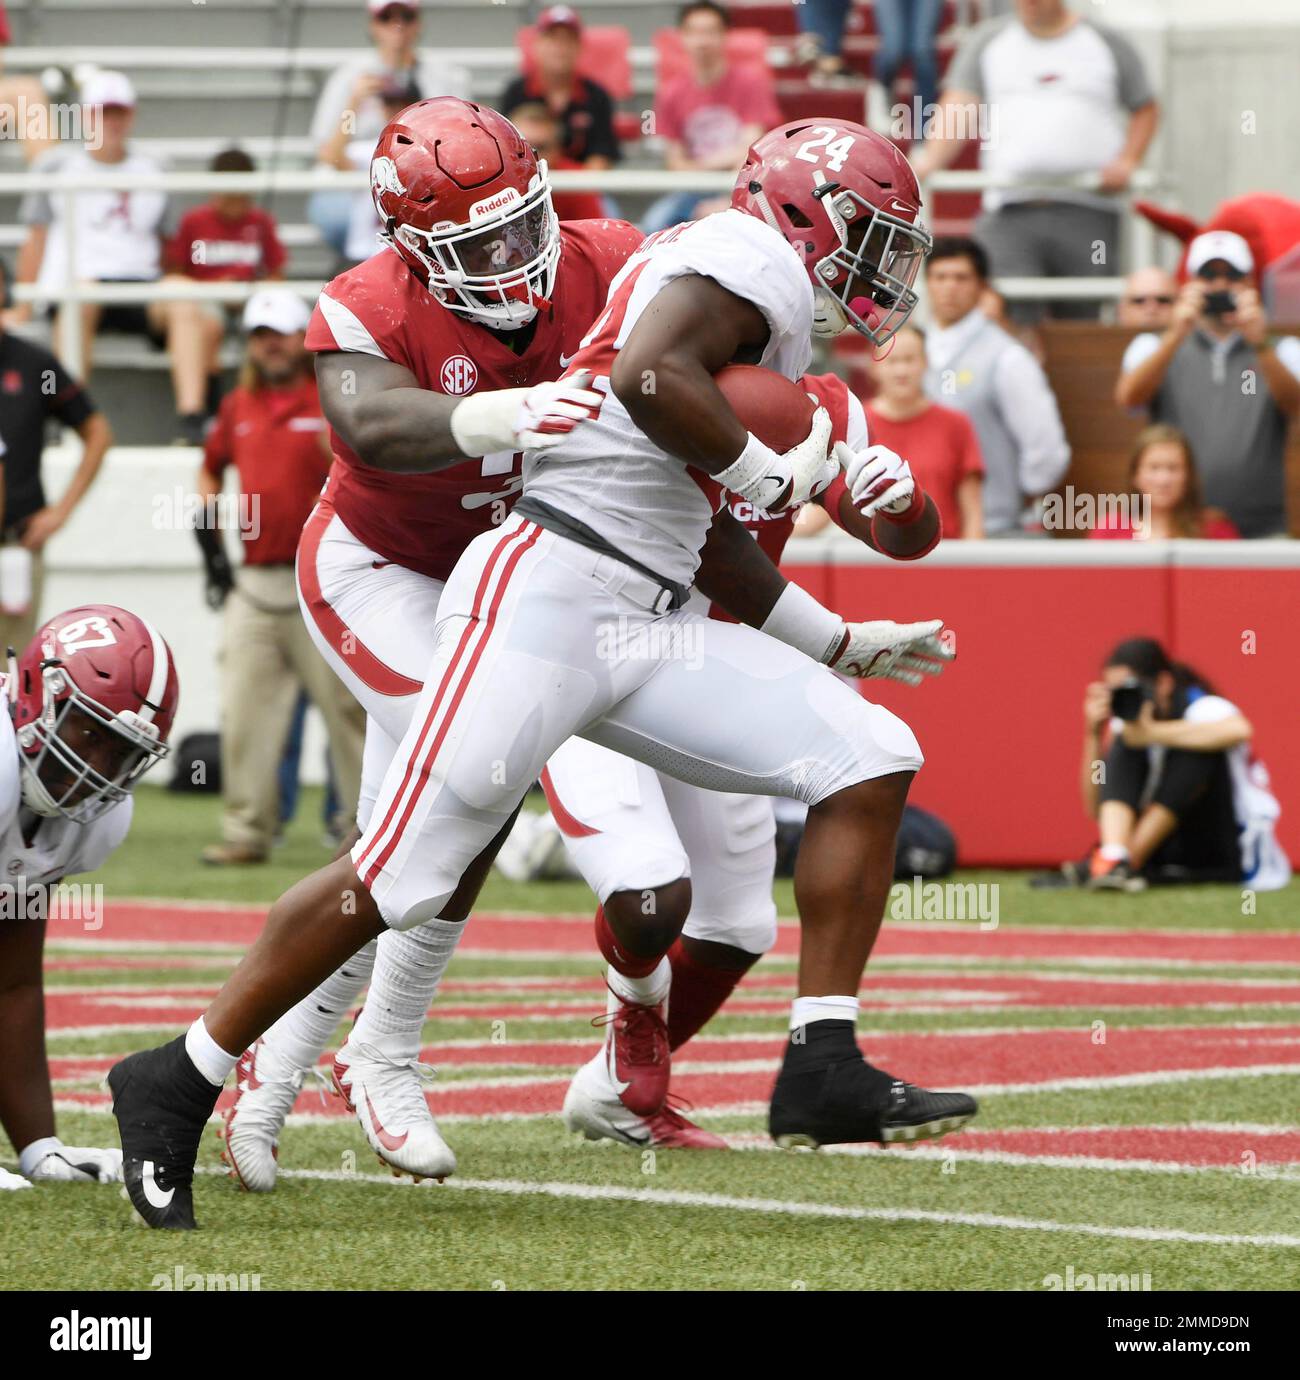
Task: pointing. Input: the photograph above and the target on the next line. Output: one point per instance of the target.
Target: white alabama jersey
(60, 848)
(607, 473)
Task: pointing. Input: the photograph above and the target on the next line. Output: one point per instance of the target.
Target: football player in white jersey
(568, 619)
(628, 828)
(90, 704)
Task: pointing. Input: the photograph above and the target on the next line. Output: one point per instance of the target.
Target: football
(777, 411)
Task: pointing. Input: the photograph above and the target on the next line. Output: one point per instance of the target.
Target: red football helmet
(847, 201)
(93, 698)
(465, 201)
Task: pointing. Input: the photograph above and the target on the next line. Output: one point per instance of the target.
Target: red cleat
(636, 1056)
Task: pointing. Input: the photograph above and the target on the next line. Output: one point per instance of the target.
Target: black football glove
(220, 575)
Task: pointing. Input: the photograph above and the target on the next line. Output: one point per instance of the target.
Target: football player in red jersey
(90, 704)
(426, 353)
(615, 520)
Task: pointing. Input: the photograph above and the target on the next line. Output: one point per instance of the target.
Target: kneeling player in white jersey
(564, 621)
(630, 829)
(90, 704)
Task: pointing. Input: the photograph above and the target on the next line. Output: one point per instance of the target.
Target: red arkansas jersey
(773, 530)
(425, 521)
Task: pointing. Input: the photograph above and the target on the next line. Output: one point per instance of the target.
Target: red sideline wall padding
(1002, 727)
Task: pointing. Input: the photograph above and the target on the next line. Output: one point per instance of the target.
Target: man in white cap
(1220, 377)
(118, 239)
(271, 430)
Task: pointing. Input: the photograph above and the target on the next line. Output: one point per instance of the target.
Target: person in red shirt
(536, 123)
(227, 239)
(271, 430)
(1162, 473)
(939, 443)
(709, 117)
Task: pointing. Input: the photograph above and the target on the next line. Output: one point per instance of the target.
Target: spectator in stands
(939, 443)
(341, 151)
(118, 240)
(1148, 300)
(981, 370)
(1182, 798)
(271, 430)
(227, 239)
(581, 106)
(24, 105)
(1068, 97)
(1216, 374)
(1162, 471)
(710, 116)
(907, 35)
(822, 22)
(542, 130)
(34, 387)
(350, 100)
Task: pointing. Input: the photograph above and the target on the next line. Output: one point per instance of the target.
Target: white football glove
(892, 651)
(523, 418)
(877, 479)
(774, 480)
(78, 1164)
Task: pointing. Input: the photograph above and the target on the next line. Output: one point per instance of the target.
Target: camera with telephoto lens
(1126, 700)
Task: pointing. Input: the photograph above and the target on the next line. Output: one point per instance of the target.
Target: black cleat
(827, 1094)
(162, 1104)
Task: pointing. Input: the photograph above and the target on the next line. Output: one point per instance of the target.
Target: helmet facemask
(878, 260)
(499, 269)
(56, 778)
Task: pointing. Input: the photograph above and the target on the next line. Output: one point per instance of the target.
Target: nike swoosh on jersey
(154, 1196)
(566, 360)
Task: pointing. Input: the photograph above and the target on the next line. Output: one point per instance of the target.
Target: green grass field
(1137, 1060)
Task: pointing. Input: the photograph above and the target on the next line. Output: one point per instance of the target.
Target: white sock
(805, 1010)
(1113, 852)
(300, 1036)
(645, 991)
(408, 968)
(207, 1055)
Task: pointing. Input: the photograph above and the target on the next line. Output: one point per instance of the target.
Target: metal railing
(73, 293)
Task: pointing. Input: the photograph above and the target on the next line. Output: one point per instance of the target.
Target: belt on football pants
(628, 578)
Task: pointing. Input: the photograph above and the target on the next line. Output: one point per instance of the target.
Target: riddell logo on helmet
(493, 203)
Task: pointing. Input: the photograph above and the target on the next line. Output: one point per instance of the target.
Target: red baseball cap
(559, 17)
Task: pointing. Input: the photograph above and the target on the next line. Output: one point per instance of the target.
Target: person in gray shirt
(351, 100)
(1051, 95)
(1217, 375)
(981, 370)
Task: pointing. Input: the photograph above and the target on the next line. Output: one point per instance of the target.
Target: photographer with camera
(1218, 375)
(1168, 775)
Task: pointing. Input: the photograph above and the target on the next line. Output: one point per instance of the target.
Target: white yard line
(671, 1198)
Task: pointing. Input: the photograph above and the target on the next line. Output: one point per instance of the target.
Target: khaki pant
(18, 629)
(266, 656)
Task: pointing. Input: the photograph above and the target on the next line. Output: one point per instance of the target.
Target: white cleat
(592, 1109)
(14, 1181)
(386, 1091)
(265, 1090)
